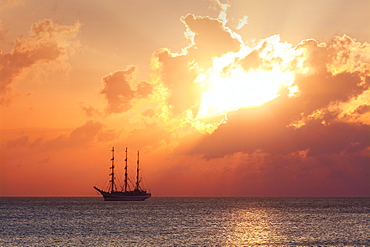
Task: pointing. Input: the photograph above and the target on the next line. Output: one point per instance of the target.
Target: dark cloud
(335, 138)
(296, 175)
(267, 129)
(118, 92)
(362, 109)
(319, 89)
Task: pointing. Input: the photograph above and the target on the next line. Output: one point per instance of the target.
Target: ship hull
(124, 196)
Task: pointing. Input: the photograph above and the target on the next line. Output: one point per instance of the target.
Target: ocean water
(185, 222)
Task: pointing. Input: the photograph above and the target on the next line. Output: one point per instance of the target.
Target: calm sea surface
(185, 222)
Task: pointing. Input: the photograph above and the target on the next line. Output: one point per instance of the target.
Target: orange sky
(237, 98)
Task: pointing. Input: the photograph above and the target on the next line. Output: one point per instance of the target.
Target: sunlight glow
(230, 86)
(237, 88)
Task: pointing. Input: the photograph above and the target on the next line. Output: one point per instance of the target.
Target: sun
(229, 84)
(234, 88)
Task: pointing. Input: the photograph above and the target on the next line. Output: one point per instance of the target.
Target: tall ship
(125, 193)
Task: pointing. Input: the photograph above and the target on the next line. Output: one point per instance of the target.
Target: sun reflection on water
(249, 226)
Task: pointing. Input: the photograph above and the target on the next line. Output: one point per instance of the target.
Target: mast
(125, 182)
(112, 187)
(137, 173)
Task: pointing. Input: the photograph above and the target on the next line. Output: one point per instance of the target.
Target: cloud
(211, 38)
(89, 133)
(47, 42)
(178, 78)
(21, 141)
(81, 136)
(362, 109)
(90, 111)
(335, 72)
(24, 141)
(118, 89)
(318, 90)
(85, 133)
(242, 22)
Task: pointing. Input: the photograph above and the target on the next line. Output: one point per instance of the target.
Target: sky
(221, 98)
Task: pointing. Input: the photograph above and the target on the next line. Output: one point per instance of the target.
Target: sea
(184, 221)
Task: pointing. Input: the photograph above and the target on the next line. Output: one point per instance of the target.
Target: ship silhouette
(113, 194)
